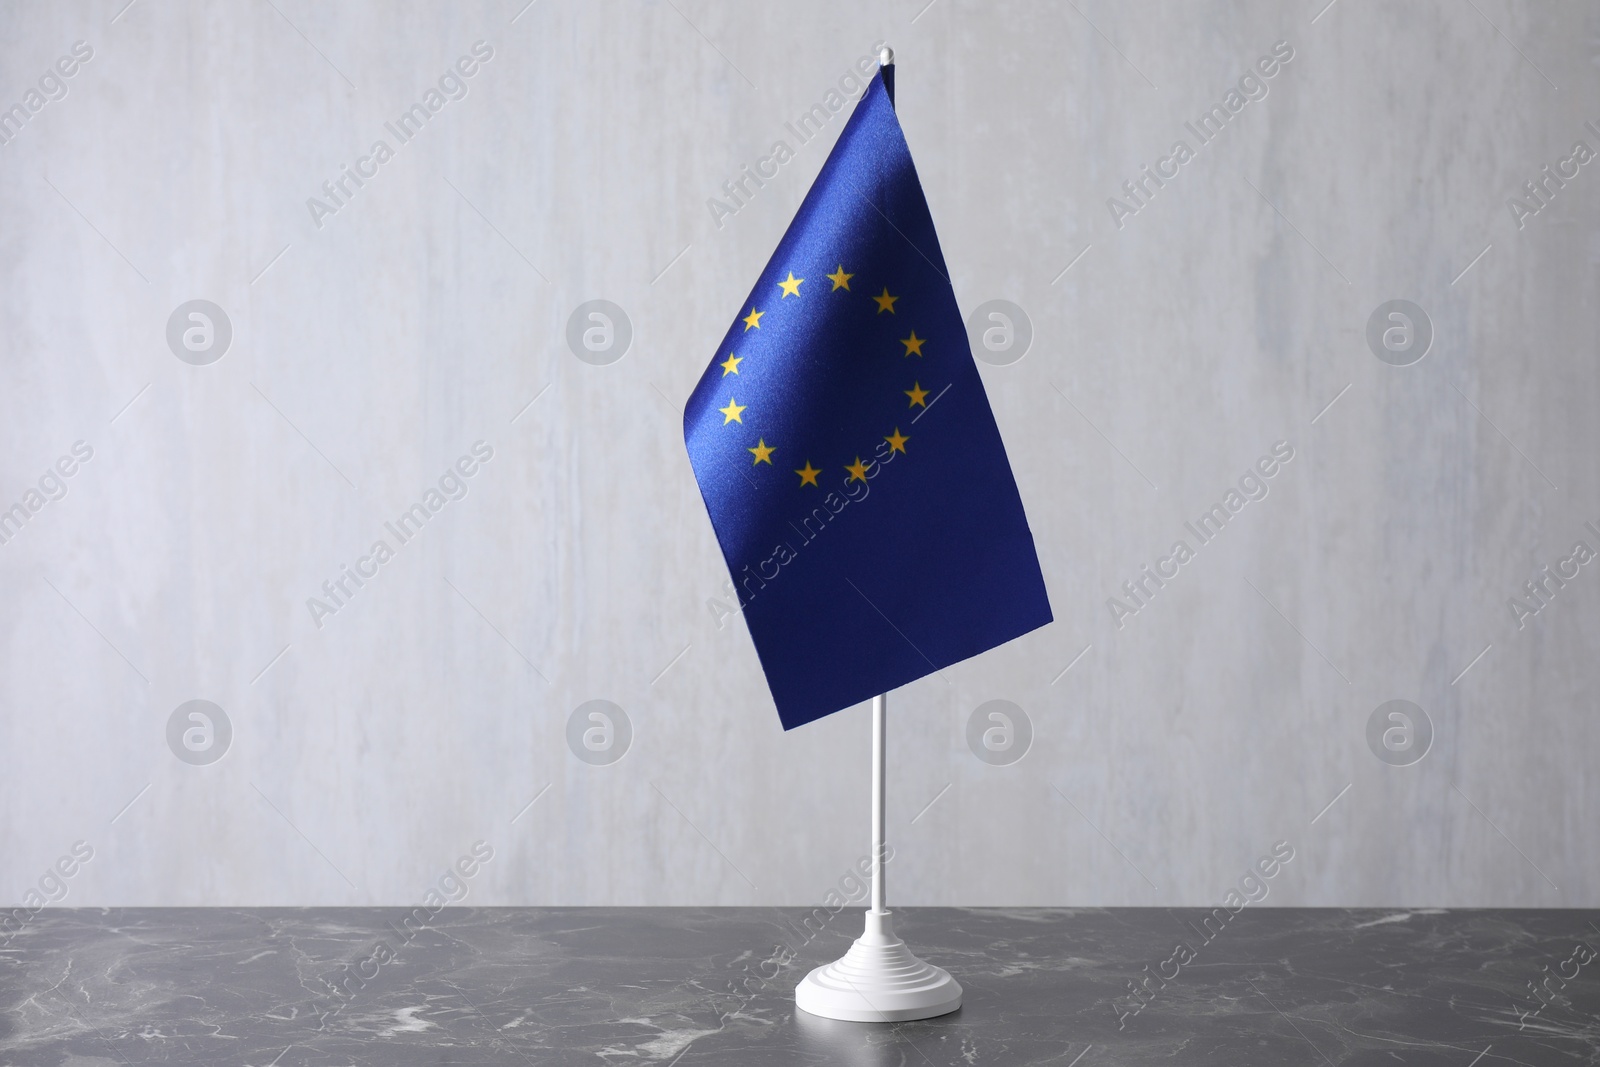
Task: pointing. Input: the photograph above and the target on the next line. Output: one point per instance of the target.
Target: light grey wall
(370, 352)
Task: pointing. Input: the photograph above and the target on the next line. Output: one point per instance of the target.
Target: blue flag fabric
(846, 451)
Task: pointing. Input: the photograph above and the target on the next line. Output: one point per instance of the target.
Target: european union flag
(846, 451)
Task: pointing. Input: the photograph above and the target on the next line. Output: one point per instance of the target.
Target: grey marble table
(335, 986)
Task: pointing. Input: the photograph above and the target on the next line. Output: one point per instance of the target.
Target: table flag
(846, 451)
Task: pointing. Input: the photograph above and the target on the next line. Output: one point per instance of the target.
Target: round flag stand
(879, 980)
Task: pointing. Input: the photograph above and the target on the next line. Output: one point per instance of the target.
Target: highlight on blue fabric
(846, 451)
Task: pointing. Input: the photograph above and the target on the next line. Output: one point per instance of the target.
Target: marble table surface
(334, 986)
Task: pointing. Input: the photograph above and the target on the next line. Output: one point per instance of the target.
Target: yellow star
(763, 452)
(753, 319)
(886, 302)
(918, 395)
(808, 474)
(730, 365)
(914, 343)
(790, 287)
(897, 443)
(731, 412)
(840, 279)
(858, 471)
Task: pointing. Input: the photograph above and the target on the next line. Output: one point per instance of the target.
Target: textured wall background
(1172, 348)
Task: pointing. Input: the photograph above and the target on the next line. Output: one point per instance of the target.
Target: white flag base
(878, 981)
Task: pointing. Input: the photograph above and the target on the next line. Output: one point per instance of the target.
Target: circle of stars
(763, 452)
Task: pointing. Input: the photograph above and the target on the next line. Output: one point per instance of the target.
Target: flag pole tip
(886, 56)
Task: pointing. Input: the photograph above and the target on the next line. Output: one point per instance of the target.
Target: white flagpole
(880, 800)
(879, 980)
